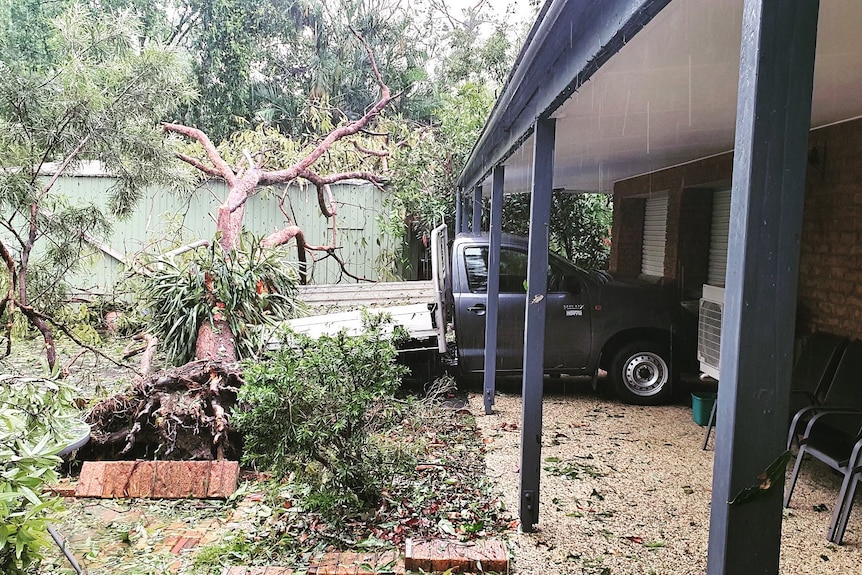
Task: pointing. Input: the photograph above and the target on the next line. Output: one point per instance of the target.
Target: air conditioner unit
(709, 329)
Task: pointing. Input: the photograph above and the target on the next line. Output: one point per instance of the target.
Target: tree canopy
(88, 91)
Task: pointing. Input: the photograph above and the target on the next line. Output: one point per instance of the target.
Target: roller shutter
(718, 238)
(655, 236)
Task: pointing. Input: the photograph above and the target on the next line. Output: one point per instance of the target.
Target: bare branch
(281, 176)
(195, 163)
(212, 153)
(62, 168)
(38, 318)
(319, 180)
(369, 152)
(283, 236)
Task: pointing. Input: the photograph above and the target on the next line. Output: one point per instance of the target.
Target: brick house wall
(830, 274)
(689, 188)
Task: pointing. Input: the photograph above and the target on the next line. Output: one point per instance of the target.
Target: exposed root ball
(182, 413)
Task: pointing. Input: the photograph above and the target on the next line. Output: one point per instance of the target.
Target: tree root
(179, 414)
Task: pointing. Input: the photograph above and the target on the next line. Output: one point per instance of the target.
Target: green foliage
(36, 420)
(425, 171)
(83, 89)
(250, 286)
(320, 408)
(580, 225)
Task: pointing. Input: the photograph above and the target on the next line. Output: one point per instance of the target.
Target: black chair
(813, 376)
(833, 432)
(812, 373)
(814, 369)
(841, 513)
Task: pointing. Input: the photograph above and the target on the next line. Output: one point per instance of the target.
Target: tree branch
(370, 152)
(212, 153)
(281, 176)
(195, 163)
(33, 314)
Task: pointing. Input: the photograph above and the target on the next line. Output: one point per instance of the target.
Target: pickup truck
(593, 321)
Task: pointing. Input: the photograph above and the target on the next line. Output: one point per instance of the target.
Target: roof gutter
(569, 42)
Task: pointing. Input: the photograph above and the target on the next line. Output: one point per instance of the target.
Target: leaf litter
(448, 495)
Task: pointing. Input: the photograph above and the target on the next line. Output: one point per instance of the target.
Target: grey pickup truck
(592, 321)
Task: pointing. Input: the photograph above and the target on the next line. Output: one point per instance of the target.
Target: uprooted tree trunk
(216, 340)
(184, 413)
(181, 413)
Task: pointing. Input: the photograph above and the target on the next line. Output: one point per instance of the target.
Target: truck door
(567, 323)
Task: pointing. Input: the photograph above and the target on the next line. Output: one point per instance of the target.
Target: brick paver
(349, 563)
(158, 479)
(257, 571)
(441, 555)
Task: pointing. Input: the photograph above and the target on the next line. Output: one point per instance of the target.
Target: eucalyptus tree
(77, 87)
(275, 160)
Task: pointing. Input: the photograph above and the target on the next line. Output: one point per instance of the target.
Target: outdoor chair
(814, 369)
(818, 375)
(841, 513)
(812, 373)
(833, 434)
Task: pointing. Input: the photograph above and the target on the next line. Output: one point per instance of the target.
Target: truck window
(513, 270)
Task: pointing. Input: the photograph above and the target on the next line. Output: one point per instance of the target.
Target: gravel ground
(626, 490)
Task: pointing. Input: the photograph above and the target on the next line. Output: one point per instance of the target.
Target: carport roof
(660, 92)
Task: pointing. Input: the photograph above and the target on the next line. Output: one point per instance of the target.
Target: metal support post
(459, 208)
(534, 322)
(477, 211)
(491, 315)
(773, 117)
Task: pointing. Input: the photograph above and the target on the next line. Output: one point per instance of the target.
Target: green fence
(164, 220)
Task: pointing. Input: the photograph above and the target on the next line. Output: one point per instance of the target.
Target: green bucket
(701, 406)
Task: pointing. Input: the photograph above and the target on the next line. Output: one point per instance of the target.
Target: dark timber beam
(569, 41)
(534, 321)
(459, 208)
(495, 239)
(476, 227)
(773, 117)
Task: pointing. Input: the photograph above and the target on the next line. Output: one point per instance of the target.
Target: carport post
(477, 211)
(534, 322)
(773, 117)
(459, 207)
(495, 234)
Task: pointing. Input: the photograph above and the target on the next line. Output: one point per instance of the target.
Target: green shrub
(250, 286)
(320, 409)
(36, 417)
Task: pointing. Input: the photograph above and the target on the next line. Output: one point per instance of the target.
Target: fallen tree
(208, 303)
(181, 413)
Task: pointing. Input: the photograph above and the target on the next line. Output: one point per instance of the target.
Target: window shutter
(655, 236)
(718, 238)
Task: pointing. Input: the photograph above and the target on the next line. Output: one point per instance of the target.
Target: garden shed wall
(830, 275)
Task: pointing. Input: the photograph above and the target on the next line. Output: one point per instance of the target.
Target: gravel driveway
(626, 490)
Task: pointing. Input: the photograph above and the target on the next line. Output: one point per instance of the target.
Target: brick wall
(830, 274)
(627, 234)
(689, 188)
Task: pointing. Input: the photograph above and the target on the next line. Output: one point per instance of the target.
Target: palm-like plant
(249, 287)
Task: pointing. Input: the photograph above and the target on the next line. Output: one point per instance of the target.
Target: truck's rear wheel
(641, 373)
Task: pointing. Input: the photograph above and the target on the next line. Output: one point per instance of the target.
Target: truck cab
(592, 320)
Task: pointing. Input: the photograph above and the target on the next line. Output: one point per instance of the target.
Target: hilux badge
(573, 309)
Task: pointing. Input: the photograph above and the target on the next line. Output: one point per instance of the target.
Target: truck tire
(641, 373)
